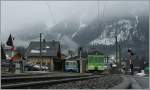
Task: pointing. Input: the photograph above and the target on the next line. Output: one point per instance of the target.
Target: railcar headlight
(91, 66)
(105, 67)
(99, 67)
(114, 65)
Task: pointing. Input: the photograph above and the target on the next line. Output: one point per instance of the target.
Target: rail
(49, 81)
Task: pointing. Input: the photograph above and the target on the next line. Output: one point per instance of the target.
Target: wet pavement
(143, 82)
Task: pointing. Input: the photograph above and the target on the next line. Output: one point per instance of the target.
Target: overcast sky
(15, 14)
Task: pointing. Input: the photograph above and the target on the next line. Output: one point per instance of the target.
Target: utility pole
(119, 56)
(116, 49)
(41, 51)
(80, 52)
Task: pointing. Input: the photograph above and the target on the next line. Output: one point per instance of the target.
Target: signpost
(130, 54)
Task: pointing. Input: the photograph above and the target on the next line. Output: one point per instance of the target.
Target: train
(72, 66)
(96, 62)
(93, 62)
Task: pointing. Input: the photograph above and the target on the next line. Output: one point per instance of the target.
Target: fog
(18, 16)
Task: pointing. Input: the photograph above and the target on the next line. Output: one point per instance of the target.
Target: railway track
(7, 80)
(34, 82)
(26, 74)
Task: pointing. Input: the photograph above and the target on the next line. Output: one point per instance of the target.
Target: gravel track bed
(104, 82)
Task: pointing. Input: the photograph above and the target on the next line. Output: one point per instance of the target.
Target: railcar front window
(72, 64)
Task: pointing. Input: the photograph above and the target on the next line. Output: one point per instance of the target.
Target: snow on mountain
(104, 41)
(122, 29)
(74, 34)
(80, 28)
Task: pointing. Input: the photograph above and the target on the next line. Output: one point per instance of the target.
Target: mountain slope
(131, 31)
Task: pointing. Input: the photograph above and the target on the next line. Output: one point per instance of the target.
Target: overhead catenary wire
(98, 23)
(51, 13)
(98, 19)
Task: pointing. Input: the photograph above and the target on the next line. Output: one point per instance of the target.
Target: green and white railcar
(96, 62)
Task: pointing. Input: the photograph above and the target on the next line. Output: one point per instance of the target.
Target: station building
(51, 55)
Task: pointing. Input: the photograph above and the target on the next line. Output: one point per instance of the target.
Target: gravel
(95, 83)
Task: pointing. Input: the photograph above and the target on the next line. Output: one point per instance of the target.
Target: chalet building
(50, 54)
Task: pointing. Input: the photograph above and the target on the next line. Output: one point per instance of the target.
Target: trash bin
(146, 70)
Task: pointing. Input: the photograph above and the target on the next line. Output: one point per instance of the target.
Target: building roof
(49, 48)
(75, 58)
